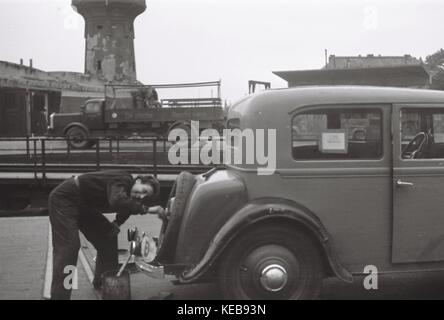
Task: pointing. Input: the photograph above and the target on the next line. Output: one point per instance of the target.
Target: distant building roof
(370, 61)
(414, 76)
(21, 76)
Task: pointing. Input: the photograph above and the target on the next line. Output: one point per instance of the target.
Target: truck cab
(93, 114)
(77, 127)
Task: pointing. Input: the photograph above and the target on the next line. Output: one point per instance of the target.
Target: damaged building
(28, 96)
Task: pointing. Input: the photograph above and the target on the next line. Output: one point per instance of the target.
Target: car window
(337, 133)
(422, 133)
(93, 107)
(233, 123)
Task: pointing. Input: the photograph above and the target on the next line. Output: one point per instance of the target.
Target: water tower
(109, 34)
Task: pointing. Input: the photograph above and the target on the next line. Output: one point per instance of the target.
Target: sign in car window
(334, 141)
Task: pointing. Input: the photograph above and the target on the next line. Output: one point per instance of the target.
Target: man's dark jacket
(109, 191)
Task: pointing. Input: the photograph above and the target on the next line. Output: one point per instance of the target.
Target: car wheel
(78, 138)
(171, 226)
(271, 262)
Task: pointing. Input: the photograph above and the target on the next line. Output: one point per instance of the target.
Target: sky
(231, 40)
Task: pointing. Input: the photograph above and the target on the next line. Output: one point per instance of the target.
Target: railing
(204, 102)
(43, 155)
(121, 91)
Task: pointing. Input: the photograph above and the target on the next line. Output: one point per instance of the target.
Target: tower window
(99, 65)
(99, 27)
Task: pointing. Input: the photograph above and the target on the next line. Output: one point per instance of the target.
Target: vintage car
(336, 203)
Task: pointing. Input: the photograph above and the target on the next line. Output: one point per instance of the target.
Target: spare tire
(171, 226)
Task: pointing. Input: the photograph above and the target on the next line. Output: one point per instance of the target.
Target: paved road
(23, 270)
(23, 257)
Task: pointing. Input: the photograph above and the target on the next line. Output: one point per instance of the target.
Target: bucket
(116, 288)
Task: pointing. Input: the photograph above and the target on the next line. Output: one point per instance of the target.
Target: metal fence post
(68, 146)
(98, 154)
(43, 144)
(27, 146)
(35, 158)
(155, 157)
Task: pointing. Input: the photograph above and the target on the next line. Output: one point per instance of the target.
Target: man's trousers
(68, 215)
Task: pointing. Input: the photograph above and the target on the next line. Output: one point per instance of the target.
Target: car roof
(289, 99)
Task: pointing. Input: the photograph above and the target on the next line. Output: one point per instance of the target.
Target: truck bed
(165, 114)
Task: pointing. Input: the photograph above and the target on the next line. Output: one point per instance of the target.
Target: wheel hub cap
(274, 277)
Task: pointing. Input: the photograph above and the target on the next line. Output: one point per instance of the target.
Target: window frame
(427, 108)
(379, 107)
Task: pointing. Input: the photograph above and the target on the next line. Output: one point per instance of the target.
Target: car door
(341, 171)
(93, 115)
(418, 184)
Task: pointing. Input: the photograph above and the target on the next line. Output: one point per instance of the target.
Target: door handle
(400, 183)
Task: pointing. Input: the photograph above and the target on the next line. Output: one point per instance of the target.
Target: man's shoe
(97, 283)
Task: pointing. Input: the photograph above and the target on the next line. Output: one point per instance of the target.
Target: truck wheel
(78, 138)
(271, 262)
(170, 228)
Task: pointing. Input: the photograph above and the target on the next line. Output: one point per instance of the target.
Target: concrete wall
(21, 76)
(29, 95)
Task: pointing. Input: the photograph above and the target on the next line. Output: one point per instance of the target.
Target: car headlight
(148, 248)
(51, 121)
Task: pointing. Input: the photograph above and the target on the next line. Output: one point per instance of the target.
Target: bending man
(77, 205)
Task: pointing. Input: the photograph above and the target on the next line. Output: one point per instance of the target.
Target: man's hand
(155, 210)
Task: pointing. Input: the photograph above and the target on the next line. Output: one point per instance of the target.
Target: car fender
(259, 211)
(74, 124)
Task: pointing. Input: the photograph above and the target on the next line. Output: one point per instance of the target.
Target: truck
(136, 111)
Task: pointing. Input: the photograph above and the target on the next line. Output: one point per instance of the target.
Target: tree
(436, 59)
(435, 66)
